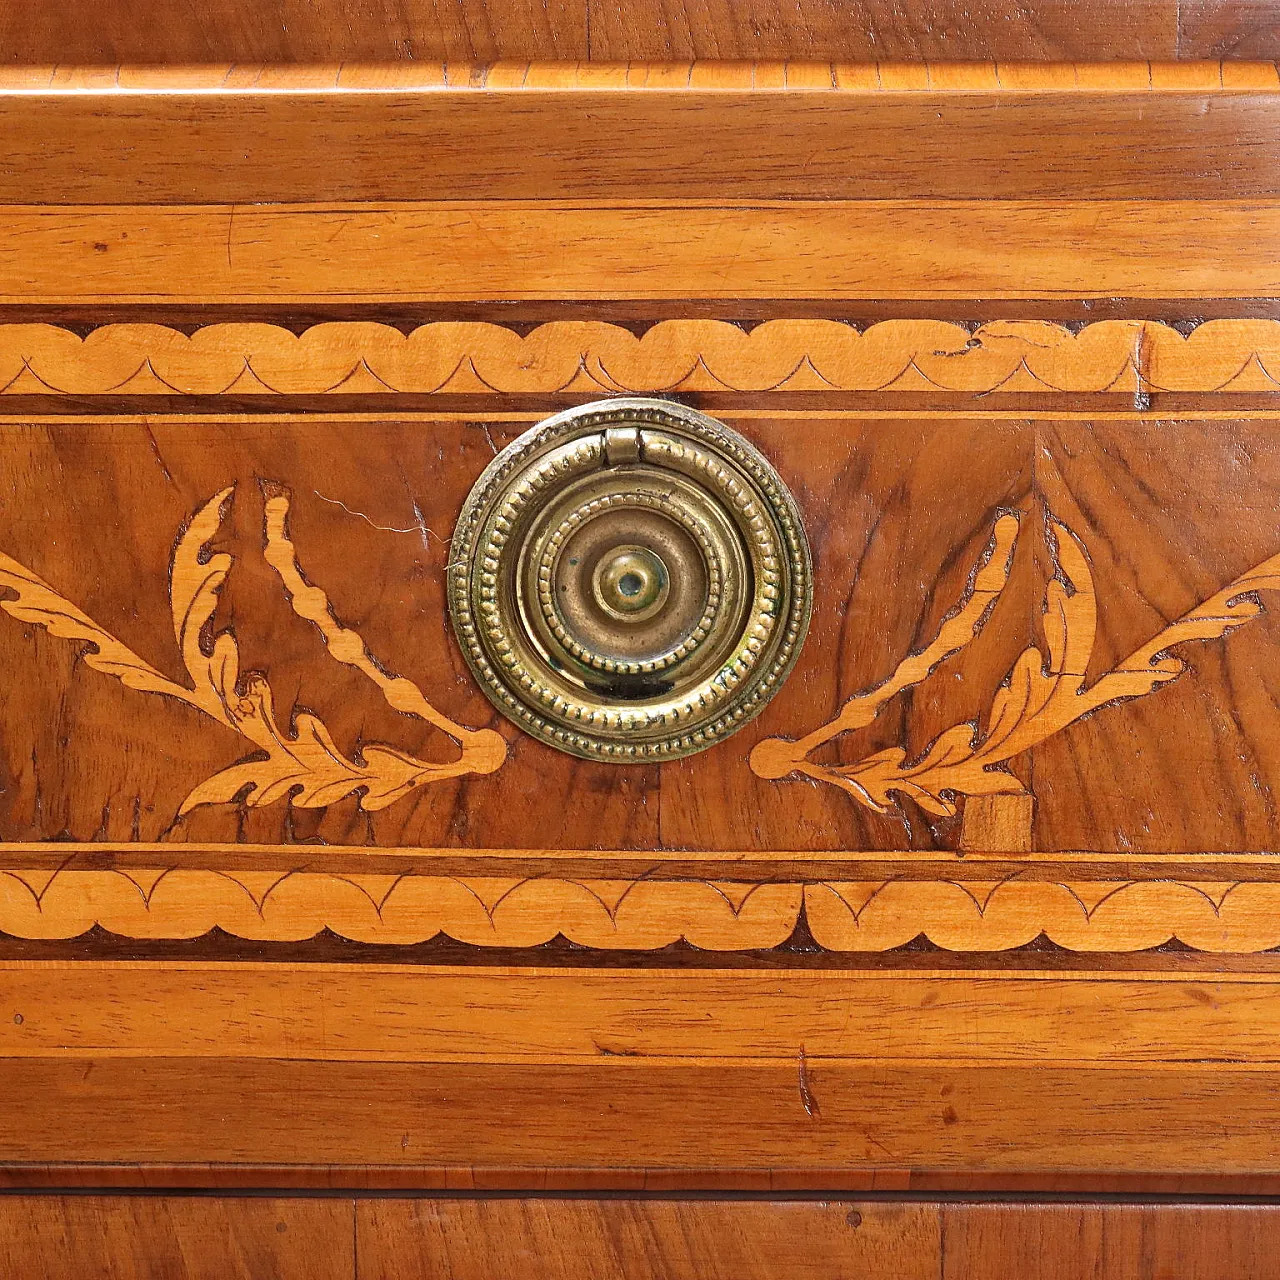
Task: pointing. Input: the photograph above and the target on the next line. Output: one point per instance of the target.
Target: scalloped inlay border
(646, 914)
(588, 356)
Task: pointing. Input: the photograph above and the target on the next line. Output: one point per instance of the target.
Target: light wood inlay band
(1205, 76)
(642, 914)
(587, 356)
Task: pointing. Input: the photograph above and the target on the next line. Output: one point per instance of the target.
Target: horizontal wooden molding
(452, 251)
(1210, 136)
(594, 357)
(218, 1009)
(854, 915)
(645, 1126)
(1206, 76)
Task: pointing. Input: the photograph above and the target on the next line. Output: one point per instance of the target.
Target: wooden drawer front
(403, 1239)
(280, 888)
(1033, 631)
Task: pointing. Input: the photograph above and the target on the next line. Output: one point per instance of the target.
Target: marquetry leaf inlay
(300, 763)
(1044, 693)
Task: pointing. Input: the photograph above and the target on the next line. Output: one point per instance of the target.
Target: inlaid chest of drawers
(640, 628)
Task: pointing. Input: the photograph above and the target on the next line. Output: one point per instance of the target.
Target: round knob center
(631, 583)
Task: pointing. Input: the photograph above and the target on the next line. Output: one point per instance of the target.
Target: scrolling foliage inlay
(968, 908)
(301, 764)
(1044, 693)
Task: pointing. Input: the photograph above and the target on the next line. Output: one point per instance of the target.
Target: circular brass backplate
(630, 580)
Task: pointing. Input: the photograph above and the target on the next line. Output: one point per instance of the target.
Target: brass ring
(608, 662)
(630, 580)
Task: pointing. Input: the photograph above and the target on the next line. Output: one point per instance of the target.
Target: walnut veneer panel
(691, 1239)
(403, 1241)
(575, 29)
(1240, 29)
(1072, 1242)
(910, 503)
(136, 1238)
(710, 1240)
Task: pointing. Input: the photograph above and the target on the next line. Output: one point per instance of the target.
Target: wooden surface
(406, 1240)
(143, 762)
(831, 251)
(690, 81)
(571, 1017)
(617, 1122)
(489, 1239)
(1120, 140)
(498, 1239)
(285, 903)
(1066, 1242)
(292, 31)
(898, 360)
(60, 1237)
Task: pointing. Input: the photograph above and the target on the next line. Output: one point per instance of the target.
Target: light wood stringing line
(1203, 76)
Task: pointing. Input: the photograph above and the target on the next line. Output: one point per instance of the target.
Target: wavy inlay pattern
(630, 914)
(560, 356)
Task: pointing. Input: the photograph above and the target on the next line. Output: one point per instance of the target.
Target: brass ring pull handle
(630, 581)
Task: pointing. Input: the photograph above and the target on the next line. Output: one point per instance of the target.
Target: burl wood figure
(726, 641)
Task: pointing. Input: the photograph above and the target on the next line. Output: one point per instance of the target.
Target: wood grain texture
(646, 1240)
(1121, 1242)
(142, 1238)
(41, 1177)
(501, 1239)
(793, 76)
(1045, 692)
(692, 1239)
(440, 253)
(303, 759)
(293, 31)
(1239, 29)
(608, 802)
(1073, 484)
(727, 977)
(716, 145)
(582, 1017)
(473, 1125)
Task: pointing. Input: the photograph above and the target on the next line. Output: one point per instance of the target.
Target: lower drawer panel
(542, 1239)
